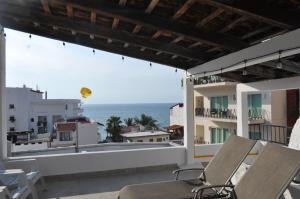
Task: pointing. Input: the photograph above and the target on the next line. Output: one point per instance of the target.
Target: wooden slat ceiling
(177, 33)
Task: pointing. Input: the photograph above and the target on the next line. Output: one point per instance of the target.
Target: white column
(242, 112)
(3, 128)
(188, 116)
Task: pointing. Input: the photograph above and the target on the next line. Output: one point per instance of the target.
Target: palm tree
(113, 127)
(147, 121)
(129, 121)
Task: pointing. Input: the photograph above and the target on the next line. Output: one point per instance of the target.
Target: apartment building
(28, 110)
(216, 110)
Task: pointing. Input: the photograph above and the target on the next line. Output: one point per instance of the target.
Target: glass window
(219, 103)
(219, 135)
(65, 136)
(159, 139)
(150, 140)
(11, 106)
(254, 105)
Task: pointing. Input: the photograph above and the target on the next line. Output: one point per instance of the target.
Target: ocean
(101, 112)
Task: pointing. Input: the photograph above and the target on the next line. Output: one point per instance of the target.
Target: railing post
(3, 128)
(189, 128)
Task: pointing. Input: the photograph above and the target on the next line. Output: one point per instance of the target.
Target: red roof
(70, 126)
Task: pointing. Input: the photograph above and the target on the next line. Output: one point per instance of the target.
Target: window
(219, 135)
(219, 103)
(159, 139)
(255, 135)
(11, 129)
(12, 118)
(32, 119)
(254, 105)
(65, 136)
(150, 140)
(139, 140)
(11, 106)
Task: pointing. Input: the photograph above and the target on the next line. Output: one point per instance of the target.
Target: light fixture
(176, 70)
(150, 64)
(73, 32)
(92, 37)
(279, 63)
(29, 36)
(94, 51)
(64, 43)
(123, 58)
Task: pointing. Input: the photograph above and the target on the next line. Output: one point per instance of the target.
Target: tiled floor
(104, 186)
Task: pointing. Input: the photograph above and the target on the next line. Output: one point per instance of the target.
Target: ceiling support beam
(233, 24)
(149, 9)
(69, 10)
(177, 14)
(154, 22)
(107, 33)
(116, 20)
(45, 6)
(210, 17)
(261, 11)
(84, 40)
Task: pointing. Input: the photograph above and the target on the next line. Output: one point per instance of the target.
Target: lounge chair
(31, 169)
(219, 171)
(14, 184)
(267, 178)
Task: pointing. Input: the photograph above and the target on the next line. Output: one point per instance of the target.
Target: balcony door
(219, 135)
(254, 105)
(219, 103)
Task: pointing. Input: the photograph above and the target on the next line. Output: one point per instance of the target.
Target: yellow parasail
(85, 92)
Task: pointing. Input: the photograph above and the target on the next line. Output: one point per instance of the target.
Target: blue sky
(63, 70)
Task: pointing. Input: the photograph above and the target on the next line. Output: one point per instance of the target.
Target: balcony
(212, 81)
(229, 115)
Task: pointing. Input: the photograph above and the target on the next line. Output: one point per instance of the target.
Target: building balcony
(229, 115)
(212, 81)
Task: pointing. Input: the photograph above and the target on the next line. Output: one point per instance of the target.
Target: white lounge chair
(31, 169)
(14, 184)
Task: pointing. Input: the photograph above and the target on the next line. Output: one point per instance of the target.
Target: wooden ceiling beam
(177, 14)
(93, 16)
(210, 17)
(136, 16)
(148, 10)
(100, 31)
(233, 24)
(46, 6)
(261, 11)
(255, 32)
(69, 10)
(116, 20)
(95, 44)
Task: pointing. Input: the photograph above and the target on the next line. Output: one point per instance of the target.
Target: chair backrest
(228, 159)
(271, 173)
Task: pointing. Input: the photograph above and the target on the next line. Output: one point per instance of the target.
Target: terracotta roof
(70, 126)
(175, 126)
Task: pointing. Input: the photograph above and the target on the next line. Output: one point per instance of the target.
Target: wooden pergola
(177, 33)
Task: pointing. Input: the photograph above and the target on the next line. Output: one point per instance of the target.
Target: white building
(216, 110)
(27, 110)
(66, 134)
(146, 136)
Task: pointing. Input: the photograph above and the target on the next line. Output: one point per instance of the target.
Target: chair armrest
(28, 165)
(4, 193)
(201, 189)
(178, 171)
(14, 175)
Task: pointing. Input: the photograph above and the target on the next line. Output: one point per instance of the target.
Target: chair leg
(44, 186)
(34, 193)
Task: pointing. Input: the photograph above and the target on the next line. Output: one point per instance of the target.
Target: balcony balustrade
(253, 114)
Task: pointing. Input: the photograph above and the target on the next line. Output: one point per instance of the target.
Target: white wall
(176, 115)
(147, 138)
(87, 133)
(108, 160)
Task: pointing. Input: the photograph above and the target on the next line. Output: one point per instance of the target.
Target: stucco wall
(108, 160)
